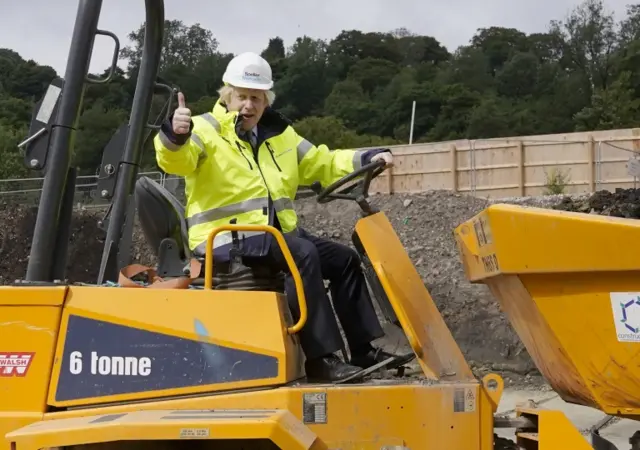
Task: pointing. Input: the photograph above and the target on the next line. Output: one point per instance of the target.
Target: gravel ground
(424, 223)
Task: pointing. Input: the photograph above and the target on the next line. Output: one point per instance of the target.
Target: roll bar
(293, 269)
(56, 118)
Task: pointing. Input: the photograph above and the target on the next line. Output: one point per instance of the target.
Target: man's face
(250, 103)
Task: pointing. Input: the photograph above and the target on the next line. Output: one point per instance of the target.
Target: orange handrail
(297, 279)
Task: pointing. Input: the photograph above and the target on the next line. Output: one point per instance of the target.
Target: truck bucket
(569, 283)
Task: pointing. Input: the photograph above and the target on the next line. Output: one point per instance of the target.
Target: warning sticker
(469, 400)
(194, 433)
(314, 407)
(15, 364)
(483, 231)
(464, 400)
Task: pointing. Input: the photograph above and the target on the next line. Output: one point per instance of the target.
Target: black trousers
(321, 259)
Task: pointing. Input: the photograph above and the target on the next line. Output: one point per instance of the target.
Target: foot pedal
(399, 361)
(367, 371)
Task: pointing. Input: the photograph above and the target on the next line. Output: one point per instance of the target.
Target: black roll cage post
(51, 139)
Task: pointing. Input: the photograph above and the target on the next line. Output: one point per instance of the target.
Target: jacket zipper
(245, 156)
(272, 156)
(264, 180)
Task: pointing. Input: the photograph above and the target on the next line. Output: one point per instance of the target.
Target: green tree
(613, 107)
(332, 132)
(182, 45)
(97, 125)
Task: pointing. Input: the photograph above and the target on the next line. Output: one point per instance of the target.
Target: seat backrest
(161, 216)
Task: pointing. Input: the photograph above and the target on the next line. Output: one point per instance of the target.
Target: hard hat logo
(249, 70)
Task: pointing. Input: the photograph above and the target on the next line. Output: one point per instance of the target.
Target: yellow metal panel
(439, 416)
(555, 432)
(255, 325)
(541, 340)
(438, 354)
(29, 320)
(248, 325)
(579, 309)
(570, 285)
(534, 240)
(27, 342)
(32, 296)
(279, 426)
(13, 420)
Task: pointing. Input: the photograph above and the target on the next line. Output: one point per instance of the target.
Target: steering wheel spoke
(338, 196)
(358, 191)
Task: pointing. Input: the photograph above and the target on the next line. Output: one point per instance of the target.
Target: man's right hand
(181, 117)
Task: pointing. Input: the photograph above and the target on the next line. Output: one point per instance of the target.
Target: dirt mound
(85, 243)
(621, 203)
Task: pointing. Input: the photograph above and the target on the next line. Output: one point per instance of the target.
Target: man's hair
(226, 91)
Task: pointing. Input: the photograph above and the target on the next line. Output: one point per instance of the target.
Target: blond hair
(226, 91)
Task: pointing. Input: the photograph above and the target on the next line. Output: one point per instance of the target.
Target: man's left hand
(386, 156)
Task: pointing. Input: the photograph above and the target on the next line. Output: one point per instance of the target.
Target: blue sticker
(102, 358)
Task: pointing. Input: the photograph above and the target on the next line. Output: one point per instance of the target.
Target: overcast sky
(41, 29)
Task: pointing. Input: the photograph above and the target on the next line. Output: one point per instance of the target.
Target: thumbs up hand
(181, 117)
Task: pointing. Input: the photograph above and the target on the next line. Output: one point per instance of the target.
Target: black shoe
(329, 369)
(375, 356)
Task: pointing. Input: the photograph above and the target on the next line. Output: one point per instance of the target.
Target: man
(245, 162)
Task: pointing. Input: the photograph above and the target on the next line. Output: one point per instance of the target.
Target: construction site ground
(425, 224)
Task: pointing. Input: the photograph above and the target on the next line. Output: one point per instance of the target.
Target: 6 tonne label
(109, 365)
(103, 359)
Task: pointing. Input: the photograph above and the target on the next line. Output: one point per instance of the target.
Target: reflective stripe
(203, 154)
(164, 139)
(212, 120)
(283, 203)
(357, 159)
(303, 148)
(196, 140)
(225, 211)
(225, 238)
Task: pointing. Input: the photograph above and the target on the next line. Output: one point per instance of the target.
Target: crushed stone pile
(424, 222)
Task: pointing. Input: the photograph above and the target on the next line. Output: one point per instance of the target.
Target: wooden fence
(517, 166)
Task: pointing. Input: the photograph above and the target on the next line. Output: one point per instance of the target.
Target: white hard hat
(248, 70)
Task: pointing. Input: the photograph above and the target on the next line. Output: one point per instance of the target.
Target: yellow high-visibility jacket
(226, 179)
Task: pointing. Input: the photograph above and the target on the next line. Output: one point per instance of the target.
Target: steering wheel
(370, 171)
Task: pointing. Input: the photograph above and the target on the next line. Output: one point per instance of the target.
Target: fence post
(521, 174)
(454, 167)
(636, 149)
(591, 150)
(390, 180)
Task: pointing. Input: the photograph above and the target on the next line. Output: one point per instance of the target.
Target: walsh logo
(15, 364)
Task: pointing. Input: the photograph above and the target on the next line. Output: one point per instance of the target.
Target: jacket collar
(272, 123)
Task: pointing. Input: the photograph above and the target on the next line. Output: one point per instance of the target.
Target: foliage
(357, 89)
(556, 181)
